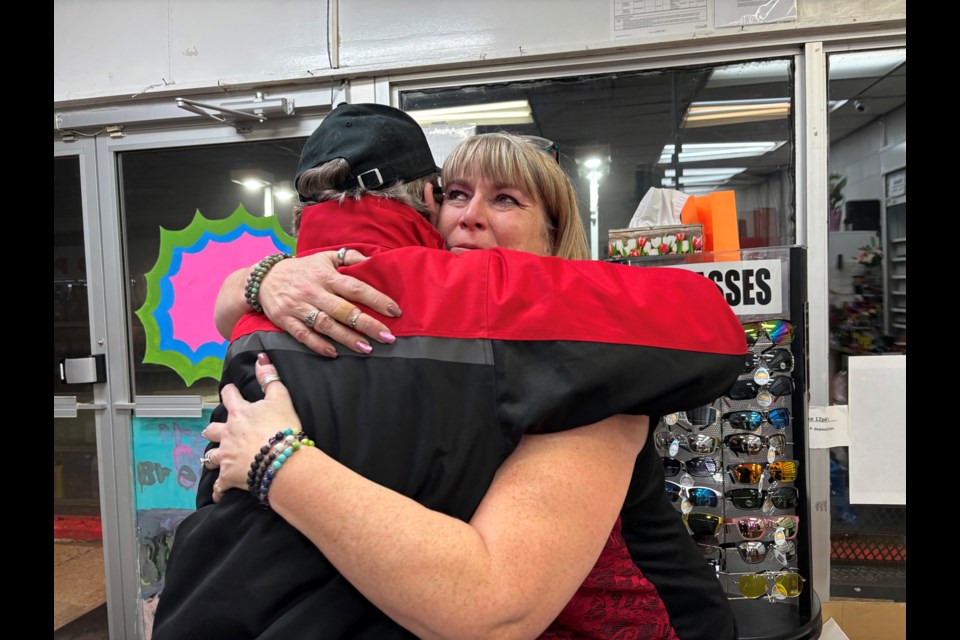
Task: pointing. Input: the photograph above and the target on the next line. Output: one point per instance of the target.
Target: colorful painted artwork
(166, 461)
(182, 287)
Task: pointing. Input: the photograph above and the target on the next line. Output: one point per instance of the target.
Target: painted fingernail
(394, 310)
(386, 336)
(263, 359)
(363, 346)
(330, 352)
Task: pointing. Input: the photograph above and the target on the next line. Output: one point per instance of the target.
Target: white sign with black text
(750, 288)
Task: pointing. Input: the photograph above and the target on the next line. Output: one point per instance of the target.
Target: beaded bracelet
(267, 462)
(252, 291)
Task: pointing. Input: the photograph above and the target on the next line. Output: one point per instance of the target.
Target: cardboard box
(868, 619)
(641, 242)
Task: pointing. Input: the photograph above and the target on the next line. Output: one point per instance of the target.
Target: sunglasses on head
(753, 420)
(756, 551)
(748, 498)
(700, 467)
(548, 146)
(752, 472)
(756, 527)
(776, 359)
(748, 389)
(698, 443)
(779, 332)
(786, 584)
(696, 496)
(751, 443)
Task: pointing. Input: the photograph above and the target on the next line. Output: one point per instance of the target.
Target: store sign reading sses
(750, 287)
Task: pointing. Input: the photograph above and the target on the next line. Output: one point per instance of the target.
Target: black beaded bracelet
(252, 291)
(271, 457)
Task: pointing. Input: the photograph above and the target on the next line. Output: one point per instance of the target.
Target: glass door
(79, 577)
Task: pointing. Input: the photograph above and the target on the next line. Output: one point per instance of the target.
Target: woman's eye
(506, 199)
(455, 194)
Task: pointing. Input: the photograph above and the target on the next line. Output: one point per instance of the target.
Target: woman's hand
(249, 426)
(308, 291)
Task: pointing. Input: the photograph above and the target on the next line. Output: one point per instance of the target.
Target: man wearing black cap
(433, 415)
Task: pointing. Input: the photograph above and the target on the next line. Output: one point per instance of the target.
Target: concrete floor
(78, 580)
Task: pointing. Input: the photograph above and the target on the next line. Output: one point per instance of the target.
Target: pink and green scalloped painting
(182, 287)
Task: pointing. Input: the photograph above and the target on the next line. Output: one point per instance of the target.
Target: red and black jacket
(491, 345)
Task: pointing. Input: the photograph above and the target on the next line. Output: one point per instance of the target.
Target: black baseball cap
(382, 144)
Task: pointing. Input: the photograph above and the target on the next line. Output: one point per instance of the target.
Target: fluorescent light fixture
(716, 176)
(750, 73)
(710, 114)
(592, 163)
(251, 179)
(512, 112)
(694, 152)
(283, 194)
(864, 64)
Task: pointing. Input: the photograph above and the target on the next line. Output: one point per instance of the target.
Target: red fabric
(487, 294)
(615, 602)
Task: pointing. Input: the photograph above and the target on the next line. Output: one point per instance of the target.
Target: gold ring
(216, 487)
(343, 311)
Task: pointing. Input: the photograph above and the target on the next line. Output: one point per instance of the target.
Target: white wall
(112, 50)
(858, 155)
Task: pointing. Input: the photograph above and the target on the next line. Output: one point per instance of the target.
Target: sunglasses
(695, 496)
(707, 544)
(752, 420)
(698, 443)
(701, 417)
(750, 443)
(748, 389)
(756, 551)
(752, 472)
(703, 524)
(779, 332)
(781, 497)
(776, 359)
(700, 467)
(756, 527)
(786, 584)
(549, 146)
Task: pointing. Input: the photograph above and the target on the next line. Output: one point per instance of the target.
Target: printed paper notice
(735, 13)
(640, 18)
(828, 427)
(877, 398)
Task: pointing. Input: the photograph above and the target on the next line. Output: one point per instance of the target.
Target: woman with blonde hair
(424, 418)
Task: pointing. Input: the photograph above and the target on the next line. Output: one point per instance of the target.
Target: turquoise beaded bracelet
(268, 462)
(252, 291)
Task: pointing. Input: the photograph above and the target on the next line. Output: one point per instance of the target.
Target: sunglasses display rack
(736, 468)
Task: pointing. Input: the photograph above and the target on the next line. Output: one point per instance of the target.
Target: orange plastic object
(717, 212)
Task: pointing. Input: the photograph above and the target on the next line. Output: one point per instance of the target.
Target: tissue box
(639, 242)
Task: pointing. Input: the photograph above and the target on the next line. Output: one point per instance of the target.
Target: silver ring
(341, 256)
(352, 322)
(267, 379)
(311, 318)
(204, 460)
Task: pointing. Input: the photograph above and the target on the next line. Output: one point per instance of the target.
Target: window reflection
(164, 189)
(867, 292)
(697, 129)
